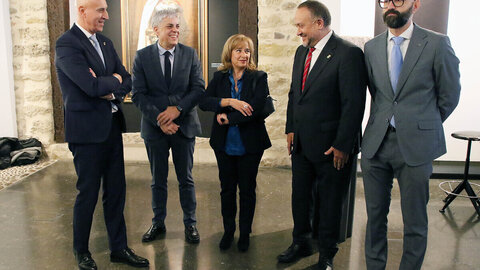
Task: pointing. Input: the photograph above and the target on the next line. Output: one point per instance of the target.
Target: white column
(8, 119)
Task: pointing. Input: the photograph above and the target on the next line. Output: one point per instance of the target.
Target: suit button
(395, 103)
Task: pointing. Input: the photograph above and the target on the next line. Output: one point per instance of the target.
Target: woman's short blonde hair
(231, 44)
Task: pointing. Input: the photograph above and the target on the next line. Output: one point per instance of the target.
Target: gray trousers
(182, 154)
(378, 174)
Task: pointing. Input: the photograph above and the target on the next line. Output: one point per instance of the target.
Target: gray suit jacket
(152, 96)
(428, 91)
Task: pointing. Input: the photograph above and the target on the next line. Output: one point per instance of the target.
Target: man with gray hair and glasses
(414, 83)
(167, 85)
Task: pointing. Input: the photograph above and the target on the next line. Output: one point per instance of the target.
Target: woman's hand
(222, 119)
(241, 106)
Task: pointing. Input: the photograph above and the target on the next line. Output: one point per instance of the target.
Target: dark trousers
(332, 185)
(100, 164)
(238, 171)
(378, 174)
(182, 154)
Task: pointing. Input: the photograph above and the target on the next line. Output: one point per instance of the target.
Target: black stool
(453, 193)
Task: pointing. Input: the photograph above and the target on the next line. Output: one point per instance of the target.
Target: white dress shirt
(161, 51)
(318, 49)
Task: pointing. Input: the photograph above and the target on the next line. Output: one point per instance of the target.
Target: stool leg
(471, 193)
(456, 191)
(452, 197)
(462, 185)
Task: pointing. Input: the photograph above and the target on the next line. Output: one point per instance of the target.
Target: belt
(391, 128)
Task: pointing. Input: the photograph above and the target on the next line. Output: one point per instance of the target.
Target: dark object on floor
(15, 152)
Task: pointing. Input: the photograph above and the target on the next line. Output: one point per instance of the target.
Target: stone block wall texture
(31, 64)
(277, 42)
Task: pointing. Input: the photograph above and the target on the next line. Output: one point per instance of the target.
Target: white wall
(462, 32)
(357, 18)
(8, 119)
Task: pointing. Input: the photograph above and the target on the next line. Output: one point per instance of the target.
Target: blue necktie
(96, 45)
(396, 62)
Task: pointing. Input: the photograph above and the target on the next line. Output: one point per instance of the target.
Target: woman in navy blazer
(238, 136)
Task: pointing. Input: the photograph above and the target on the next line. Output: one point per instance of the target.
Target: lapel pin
(328, 56)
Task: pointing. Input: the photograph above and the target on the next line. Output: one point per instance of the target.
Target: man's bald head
(92, 14)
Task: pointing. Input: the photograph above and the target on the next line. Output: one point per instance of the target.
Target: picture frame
(137, 33)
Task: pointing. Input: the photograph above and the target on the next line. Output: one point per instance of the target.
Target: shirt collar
(319, 46)
(407, 34)
(88, 34)
(162, 50)
(230, 71)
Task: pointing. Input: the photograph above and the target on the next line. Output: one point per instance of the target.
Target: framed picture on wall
(137, 32)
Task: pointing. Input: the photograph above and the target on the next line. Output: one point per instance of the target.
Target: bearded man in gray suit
(414, 85)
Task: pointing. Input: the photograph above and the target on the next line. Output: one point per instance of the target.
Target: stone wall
(277, 43)
(31, 64)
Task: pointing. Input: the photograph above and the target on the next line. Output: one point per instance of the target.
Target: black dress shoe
(128, 257)
(294, 252)
(226, 241)
(325, 264)
(243, 242)
(154, 231)
(191, 234)
(85, 261)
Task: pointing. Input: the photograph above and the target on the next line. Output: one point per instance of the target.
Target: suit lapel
(381, 60)
(157, 68)
(89, 47)
(326, 54)
(415, 48)
(103, 47)
(179, 55)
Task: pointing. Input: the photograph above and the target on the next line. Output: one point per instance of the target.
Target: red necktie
(307, 67)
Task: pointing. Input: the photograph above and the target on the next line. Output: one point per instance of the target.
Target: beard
(398, 21)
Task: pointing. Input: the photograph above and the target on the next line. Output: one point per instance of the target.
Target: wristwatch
(179, 108)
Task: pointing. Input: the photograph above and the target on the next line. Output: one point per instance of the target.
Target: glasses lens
(383, 3)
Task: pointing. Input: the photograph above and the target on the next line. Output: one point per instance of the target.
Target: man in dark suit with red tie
(93, 83)
(324, 115)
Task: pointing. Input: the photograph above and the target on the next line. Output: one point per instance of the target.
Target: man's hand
(241, 106)
(222, 119)
(169, 129)
(108, 97)
(339, 157)
(290, 142)
(167, 116)
(119, 78)
(92, 72)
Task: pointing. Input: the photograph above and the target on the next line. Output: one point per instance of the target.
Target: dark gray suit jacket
(152, 96)
(428, 91)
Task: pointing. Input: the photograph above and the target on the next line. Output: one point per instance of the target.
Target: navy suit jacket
(88, 117)
(152, 96)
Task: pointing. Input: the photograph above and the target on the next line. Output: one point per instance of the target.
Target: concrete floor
(36, 226)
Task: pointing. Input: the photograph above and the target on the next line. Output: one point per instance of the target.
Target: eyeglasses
(396, 3)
